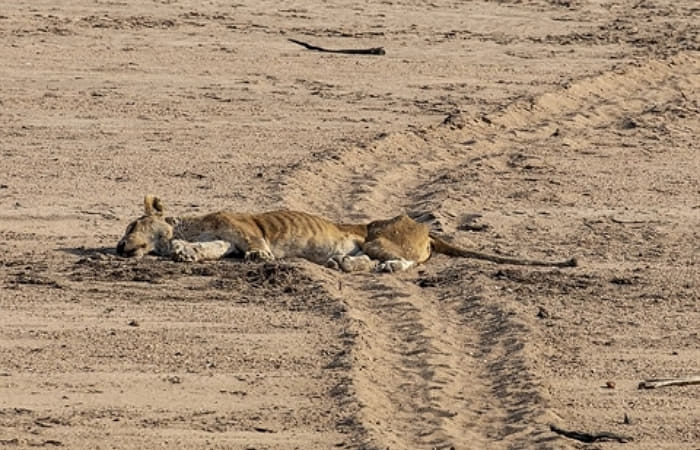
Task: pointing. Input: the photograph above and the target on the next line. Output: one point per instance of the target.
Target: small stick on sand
(591, 437)
(361, 51)
(663, 382)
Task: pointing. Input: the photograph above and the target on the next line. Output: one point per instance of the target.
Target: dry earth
(542, 128)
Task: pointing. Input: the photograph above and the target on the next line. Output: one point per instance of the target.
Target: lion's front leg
(198, 251)
(257, 250)
(258, 254)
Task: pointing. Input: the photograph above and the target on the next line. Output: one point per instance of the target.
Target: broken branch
(590, 437)
(350, 51)
(663, 382)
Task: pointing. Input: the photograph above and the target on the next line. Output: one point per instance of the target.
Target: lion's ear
(158, 206)
(153, 206)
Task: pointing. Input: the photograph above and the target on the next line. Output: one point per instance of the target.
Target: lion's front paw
(183, 251)
(333, 263)
(395, 265)
(258, 255)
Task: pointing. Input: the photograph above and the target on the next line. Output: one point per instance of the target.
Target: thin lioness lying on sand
(384, 245)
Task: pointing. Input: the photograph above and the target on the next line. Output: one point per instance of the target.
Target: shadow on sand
(89, 251)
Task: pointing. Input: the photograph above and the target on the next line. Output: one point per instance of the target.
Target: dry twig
(350, 51)
(663, 382)
(591, 437)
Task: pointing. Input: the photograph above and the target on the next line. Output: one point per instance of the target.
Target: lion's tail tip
(572, 262)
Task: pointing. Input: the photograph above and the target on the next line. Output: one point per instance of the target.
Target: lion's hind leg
(390, 255)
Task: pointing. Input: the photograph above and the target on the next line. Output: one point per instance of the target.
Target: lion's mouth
(130, 252)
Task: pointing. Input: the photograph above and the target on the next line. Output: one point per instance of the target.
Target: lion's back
(300, 234)
(284, 224)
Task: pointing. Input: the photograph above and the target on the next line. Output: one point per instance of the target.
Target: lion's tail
(441, 246)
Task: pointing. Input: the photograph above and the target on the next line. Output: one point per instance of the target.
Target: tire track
(618, 100)
(398, 171)
(422, 355)
(410, 369)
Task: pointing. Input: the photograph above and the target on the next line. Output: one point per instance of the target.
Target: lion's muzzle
(127, 250)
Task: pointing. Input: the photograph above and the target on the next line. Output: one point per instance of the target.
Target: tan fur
(387, 245)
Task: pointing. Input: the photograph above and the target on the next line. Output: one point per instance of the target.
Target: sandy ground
(538, 128)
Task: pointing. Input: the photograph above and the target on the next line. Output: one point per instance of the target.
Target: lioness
(385, 245)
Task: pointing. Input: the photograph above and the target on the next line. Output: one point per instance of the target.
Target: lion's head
(150, 233)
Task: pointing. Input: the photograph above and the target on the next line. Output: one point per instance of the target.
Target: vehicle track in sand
(437, 332)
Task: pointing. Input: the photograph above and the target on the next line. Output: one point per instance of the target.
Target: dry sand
(552, 128)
